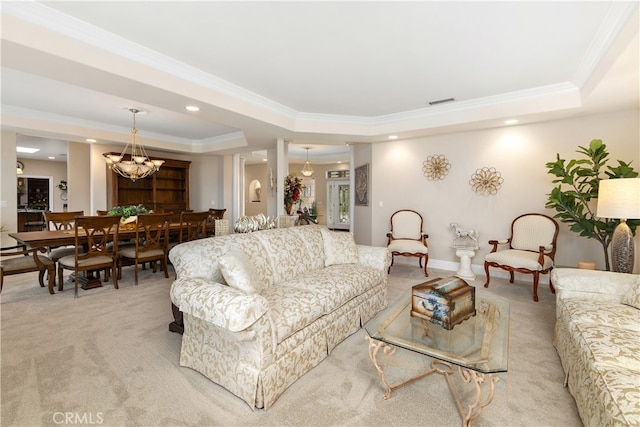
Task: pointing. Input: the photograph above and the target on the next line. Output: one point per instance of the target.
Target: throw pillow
(339, 247)
(632, 297)
(239, 272)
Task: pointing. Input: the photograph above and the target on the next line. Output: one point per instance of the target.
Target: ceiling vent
(441, 101)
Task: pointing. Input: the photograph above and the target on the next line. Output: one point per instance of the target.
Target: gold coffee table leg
(473, 410)
(374, 347)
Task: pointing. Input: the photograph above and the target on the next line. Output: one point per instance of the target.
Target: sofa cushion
(239, 272)
(632, 297)
(607, 333)
(337, 284)
(291, 309)
(339, 247)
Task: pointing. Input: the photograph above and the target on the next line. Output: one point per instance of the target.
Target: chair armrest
(218, 304)
(9, 251)
(605, 285)
(495, 244)
(374, 257)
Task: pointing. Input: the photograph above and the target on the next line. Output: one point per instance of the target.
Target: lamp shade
(619, 198)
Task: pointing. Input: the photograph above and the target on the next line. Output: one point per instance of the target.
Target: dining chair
(193, 225)
(406, 237)
(214, 215)
(531, 249)
(151, 244)
(34, 221)
(61, 221)
(18, 259)
(99, 235)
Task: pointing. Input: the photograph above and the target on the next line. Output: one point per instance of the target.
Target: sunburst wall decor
(436, 167)
(486, 181)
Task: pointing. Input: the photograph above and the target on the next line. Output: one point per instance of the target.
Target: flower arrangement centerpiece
(129, 213)
(292, 191)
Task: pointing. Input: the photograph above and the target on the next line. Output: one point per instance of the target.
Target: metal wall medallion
(486, 181)
(436, 167)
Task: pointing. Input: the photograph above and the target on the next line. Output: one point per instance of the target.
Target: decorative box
(446, 302)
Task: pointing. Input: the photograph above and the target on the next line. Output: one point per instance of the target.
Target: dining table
(53, 238)
(48, 238)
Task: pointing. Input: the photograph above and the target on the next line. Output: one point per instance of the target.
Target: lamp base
(622, 248)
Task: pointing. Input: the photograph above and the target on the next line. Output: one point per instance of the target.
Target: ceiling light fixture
(137, 164)
(393, 136)
(307, 170)
(511, 122)
(192, 108)
(26, 150)
(91, 140)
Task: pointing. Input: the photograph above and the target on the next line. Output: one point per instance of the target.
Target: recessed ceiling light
(90, 140)
(26, 150)
(51, 157)
(192, 108)
(393, 136)
(511, 122)
(264, 160)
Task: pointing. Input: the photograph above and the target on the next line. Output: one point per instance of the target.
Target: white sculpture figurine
(464, 238)
(465, 243)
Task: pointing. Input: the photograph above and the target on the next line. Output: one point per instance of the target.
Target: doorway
(338, 205)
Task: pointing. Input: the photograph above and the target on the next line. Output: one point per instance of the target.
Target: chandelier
(137, 164)
(307, 170)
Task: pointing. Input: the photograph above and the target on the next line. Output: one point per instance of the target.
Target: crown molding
(618, 16)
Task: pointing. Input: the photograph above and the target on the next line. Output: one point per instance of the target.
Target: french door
(338, 205)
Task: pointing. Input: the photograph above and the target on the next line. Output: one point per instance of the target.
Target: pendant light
(137, 164)
(307, 170)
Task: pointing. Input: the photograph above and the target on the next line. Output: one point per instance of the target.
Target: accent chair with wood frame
(18, 259)
(406, 237)
(96, 248)
(531, 249)
(151, 244)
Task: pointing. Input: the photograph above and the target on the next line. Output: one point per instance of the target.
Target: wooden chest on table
(445, 302)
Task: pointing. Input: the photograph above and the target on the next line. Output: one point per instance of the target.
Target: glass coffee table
(478, 347)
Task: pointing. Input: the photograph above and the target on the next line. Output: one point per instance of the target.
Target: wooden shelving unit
(166, 190)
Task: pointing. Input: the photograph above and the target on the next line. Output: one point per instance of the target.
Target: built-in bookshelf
(166, 190)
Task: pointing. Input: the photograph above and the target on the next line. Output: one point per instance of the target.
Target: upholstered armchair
(406, 237)
(531, 249)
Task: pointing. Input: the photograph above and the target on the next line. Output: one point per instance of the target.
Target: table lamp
(620, 199)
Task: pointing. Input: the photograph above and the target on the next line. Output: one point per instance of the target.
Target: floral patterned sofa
(261, 309)
(597, 336)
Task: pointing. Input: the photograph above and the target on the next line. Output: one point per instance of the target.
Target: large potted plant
(574, 197)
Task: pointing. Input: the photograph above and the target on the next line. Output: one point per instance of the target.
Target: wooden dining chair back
(96, 248)
(61, 221)
(151, 244)
(193, 225)
(214, 214)
(19, 259)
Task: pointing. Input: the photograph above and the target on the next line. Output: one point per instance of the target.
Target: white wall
(519, 153)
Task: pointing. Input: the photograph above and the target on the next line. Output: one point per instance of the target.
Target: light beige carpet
(108, 358)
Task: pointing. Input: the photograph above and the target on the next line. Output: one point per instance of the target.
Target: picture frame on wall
(362, 185)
